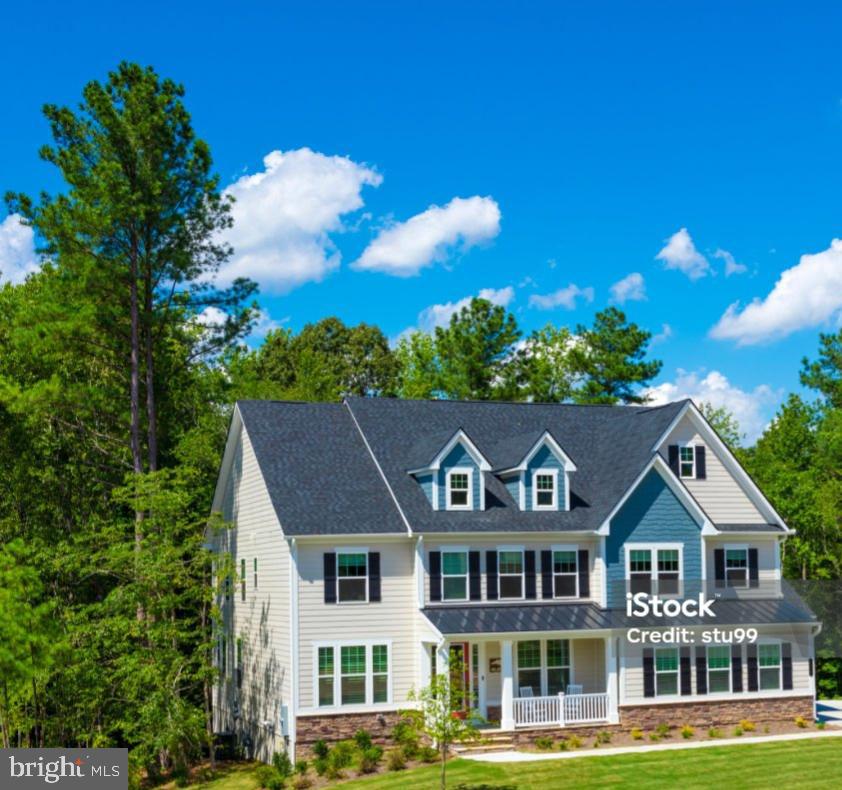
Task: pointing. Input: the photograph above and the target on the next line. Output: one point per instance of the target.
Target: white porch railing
(561, 710)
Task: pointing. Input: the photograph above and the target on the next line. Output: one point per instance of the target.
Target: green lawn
(799, 764)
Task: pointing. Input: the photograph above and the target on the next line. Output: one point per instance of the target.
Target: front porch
(547, 680)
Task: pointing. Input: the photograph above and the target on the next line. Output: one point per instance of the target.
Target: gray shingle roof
(610, 445)
(507, 618)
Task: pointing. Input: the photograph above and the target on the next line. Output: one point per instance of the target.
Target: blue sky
(580, 138)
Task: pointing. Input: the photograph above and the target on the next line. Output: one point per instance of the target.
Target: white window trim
(735, 547)
(654, 548)
(550, 473)
(337, 645)
(544, 666)
(727, 669)
(467, 575)
(465, 470)
(352, 550)
(684, 445)
(575, 550)
(770, 640)
(522, 573)
(676, 671)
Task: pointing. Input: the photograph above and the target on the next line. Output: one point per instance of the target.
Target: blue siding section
(652, 514)
(459, 456)
(545, 459)
(513, 487)
(426, 483)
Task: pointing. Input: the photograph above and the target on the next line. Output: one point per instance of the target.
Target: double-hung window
(529, 667)
(545, 490)
(558, 665)
(459, 489)
(687, 461)
(719, 668)
(510, 573)
(666, 671)
(736, 567)
(640, 570)
(565, 574)
(355, 674)
(668, 571)
(654, 569)
(769, 664)
(352, 576)
(454, 575)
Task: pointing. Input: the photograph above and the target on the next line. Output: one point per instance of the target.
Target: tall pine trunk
(134, 396)
(149, 339)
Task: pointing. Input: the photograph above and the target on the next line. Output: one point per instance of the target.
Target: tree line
(115, 398)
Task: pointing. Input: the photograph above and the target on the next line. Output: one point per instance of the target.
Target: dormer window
(545, 490)
(459, 489)
(687, 461)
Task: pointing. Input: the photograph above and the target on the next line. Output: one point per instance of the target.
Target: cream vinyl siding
(631, 691)
(391, 619)
(767, 573)
(263, 619)
(531, 543)
(721, 497)
(589, 664)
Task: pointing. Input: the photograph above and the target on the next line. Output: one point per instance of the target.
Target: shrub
(301, 767)
(363, 739)
(282, 764)
(602, 737)
(748, 725)
(738, 731)
(653, 736)
(302, 782)
(574, 742)
(427, 754)
(342, 754)
(663, 730)
(545, 743)
(563, 746)
(395, 761)
(820, 725)
(369, 759)
(800, 721)
(636, 733)
(320, 748)
(264, 775)
(687, 731)
(405, 734)
(320, 764)
(714, 733)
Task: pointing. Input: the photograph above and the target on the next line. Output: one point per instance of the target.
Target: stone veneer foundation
(341, 726)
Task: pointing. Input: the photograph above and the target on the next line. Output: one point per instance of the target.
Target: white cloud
(563, 297)
(731, 265)
(439, 314)
(284, 214)
(17, 250)
(404, 248)
(807, 295)
(680, 253)
(212, 317)
(752, 409)
(662, 336)
(629, 289)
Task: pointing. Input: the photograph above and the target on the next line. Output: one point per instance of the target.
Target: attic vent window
(459, 489)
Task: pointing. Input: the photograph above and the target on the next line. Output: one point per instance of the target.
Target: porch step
(499, 742)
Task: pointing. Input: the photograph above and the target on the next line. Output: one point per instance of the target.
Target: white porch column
(611, 680)
(482, 696)
(442, 657)
(507, 714)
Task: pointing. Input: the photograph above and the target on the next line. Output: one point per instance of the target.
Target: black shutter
(686, 672)
(584, 575)
(374, 576)
(475, 577)
(435, 575)
(672, 453)
(736, 668)
(701, 671)
(491, 575)
(753, 576)
(529, 568)
(330, 577)
(810, 666)
(701, 468)
(786, 665)
(648, 672)
(751, 664)
(719, 566)
(546, 574)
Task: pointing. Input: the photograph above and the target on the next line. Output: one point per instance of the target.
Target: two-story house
(379, 541)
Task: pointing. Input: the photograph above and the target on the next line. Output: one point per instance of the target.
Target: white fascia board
(555, 447)
(676, 486)
(460, 437)
(231, 441)
(728, 459)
